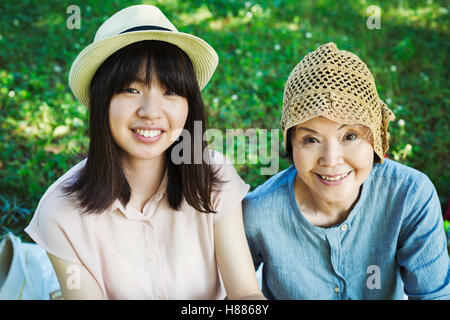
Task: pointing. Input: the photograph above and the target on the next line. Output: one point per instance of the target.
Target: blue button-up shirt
(391, 243)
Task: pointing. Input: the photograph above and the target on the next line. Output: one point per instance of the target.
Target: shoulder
(272, 185)
(269, 197)
(395, 175)
(217, 158)
(267, 201)
(403, 191)
(231, 191)
(57, 222)
(54, 204)
(224, 166)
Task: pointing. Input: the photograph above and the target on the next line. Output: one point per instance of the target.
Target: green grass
(42, 126)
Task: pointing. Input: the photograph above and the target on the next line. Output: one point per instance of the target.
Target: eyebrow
(311, 130)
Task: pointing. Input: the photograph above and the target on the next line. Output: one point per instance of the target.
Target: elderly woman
(343, 222)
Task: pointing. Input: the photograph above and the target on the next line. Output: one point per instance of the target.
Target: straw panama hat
(130, 25)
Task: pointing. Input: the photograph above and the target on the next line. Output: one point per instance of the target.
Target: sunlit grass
(430, 14)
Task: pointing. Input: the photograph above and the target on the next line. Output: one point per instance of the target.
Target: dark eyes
(350, 137)
(130, 90)
(347, 137)
(309, 140)
(166, 93)
(170, 93)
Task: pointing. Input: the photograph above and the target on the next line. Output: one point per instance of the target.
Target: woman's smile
(147, 136)
(335, 180)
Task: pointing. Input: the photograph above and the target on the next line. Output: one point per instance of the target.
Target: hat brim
(203, 57)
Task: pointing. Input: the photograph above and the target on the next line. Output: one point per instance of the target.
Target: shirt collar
(117, 204)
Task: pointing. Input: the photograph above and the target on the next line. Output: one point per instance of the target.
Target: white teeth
(148, 133)
(337, 178)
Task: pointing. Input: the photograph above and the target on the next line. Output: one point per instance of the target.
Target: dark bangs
(102, 179)
(143, 60)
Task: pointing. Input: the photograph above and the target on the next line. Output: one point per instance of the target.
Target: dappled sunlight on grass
(200, 15)
(430, 14)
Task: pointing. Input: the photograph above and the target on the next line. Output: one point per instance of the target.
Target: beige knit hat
(337, 85)
(130, 25)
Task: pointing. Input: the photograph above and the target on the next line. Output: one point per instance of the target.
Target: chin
(335, 196)
(154, 154)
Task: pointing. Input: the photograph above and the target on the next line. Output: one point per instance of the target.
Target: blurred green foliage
(42, 126)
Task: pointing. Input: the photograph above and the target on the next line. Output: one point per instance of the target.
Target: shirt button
(153, 259)
(344, 227)
(160, 297)
(336, 289)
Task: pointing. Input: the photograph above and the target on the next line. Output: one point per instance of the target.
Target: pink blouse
(157, 254)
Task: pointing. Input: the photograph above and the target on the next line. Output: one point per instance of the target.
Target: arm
(75, 280)
(251, 232)
(422, 249)
(234, 259)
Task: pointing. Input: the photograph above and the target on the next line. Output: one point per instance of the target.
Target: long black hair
(102, 179)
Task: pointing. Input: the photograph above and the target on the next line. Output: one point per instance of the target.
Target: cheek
(120, 115)
(304, 159)
(361, 155)
(178, 115)
(117, 111)
(114, 117)
(361, 158)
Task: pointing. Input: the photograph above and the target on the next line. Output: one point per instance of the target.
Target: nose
(331, 154)
(150, 107)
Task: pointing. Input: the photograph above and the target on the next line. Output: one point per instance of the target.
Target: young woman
(128, 222)
(343, 222)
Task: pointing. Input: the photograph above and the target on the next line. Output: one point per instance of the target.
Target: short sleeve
(56, 225)
(232, 191)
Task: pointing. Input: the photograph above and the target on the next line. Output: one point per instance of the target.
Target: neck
(144, 178)
(319, 212)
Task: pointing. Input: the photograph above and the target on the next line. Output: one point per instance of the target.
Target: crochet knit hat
(337, 85)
